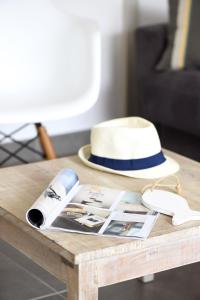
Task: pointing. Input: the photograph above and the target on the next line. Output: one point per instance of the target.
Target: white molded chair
(50, 64)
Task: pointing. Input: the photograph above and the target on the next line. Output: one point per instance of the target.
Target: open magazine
(90, 209)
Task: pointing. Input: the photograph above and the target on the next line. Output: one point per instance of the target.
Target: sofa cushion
(172, 98)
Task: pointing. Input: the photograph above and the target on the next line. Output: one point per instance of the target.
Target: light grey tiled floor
(21, 279)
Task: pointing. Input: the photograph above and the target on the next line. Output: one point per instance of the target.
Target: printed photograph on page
(122, 228)
(97, 196)
(125, 224)
(131, 202)
(82, 218)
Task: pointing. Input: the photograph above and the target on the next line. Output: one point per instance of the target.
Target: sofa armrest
(150, 42)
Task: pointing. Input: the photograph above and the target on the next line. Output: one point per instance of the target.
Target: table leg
(81, 283)
(147, 278)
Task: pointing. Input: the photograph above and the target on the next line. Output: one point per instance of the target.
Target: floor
(21, 279)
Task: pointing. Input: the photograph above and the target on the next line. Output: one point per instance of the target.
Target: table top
(20, 186)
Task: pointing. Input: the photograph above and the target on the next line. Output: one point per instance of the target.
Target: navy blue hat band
(129, 164)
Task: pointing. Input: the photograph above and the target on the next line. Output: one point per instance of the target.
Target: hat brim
(170, 166)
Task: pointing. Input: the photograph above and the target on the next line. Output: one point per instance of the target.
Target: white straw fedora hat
(127, 146)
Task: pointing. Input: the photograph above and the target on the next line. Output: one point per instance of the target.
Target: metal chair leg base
(48, 151)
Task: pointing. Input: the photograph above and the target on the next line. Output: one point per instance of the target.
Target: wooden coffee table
(88, 262)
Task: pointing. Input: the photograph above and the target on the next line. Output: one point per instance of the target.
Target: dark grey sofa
(170, 98)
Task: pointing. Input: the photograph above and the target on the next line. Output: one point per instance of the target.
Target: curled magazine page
(91, 209)
(54, 198)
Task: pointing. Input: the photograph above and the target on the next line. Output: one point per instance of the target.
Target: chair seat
(50, 62)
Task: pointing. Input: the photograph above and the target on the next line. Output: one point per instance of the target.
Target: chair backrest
(50, 62)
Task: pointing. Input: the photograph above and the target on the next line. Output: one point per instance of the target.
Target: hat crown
(125, 138)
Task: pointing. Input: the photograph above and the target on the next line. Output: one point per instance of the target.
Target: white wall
(116, 18)
(152, 11)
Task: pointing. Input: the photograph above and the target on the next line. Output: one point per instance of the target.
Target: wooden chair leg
(45, 141)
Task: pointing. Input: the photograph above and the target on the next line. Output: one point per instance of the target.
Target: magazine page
(99, 210)
(133, 224)
(54, 198)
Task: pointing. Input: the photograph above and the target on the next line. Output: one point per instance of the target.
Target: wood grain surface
(20, 186)
(89, 262)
